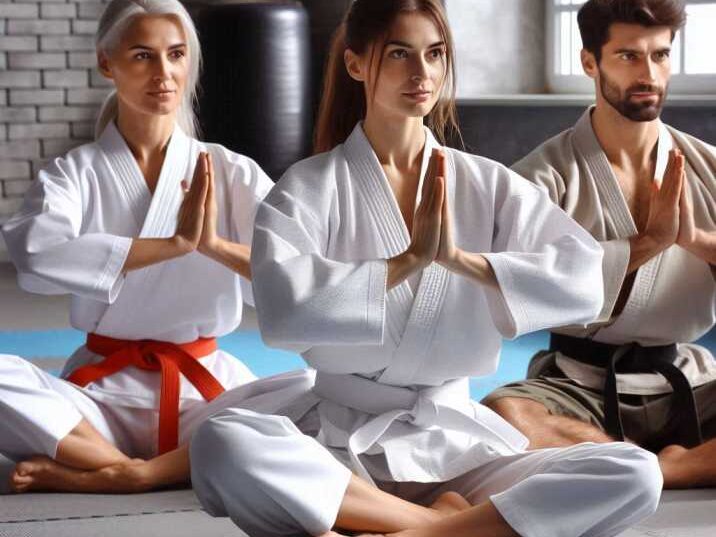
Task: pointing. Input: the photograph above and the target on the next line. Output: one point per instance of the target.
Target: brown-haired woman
(395, 274)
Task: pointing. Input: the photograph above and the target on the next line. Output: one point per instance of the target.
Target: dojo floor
(37, 328)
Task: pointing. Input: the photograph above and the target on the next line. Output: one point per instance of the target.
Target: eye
(436, 53)
(398, 53)
(177, 54)
(142, 56)
(662, 55)
(627, 56)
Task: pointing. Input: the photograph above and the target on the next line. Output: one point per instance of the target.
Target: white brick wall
(49, 89)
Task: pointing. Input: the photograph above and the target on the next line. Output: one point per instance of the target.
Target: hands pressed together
(196, 229)
(432, 238)
(196, 223)
(671, 215)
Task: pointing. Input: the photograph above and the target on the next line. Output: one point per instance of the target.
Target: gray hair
(114, 21)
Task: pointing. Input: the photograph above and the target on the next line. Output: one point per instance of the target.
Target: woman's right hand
(190, 221)
(427, 223)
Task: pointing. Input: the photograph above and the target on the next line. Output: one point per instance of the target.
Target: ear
(354, 65)
(103, 65)
(589, 64)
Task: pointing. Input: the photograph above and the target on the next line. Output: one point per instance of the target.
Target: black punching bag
(256, 88)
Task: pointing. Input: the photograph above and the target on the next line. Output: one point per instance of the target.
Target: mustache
(645, 88)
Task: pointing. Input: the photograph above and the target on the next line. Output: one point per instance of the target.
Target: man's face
(634, 71)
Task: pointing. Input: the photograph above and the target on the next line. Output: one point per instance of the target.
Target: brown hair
(366, 25)
(596, 16)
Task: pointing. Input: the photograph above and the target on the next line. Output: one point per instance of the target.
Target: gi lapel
(384, 212)
(616, 209)
(160, 221)
(411, 315)
(413, 352)
(126, 172)
(178, 165)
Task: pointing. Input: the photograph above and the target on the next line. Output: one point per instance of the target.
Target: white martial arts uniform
(391, 399)
(673, 297)
(72, 235)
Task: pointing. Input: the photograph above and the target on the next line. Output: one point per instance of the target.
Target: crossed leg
(681, 467)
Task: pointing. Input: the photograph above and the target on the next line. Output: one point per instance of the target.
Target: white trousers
(272, 480)
(37, 410)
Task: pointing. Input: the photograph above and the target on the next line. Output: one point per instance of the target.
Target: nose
(649, 70)
(420, 71)
(162, 69)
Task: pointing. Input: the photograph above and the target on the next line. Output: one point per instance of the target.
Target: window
(693, 63)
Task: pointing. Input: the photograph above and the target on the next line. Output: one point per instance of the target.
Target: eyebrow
(145, 47)
(408, 45)
(635, 51)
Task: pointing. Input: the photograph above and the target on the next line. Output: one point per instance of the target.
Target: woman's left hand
(209, 240)
(447, 251)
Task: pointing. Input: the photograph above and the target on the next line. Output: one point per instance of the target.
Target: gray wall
(500, 46)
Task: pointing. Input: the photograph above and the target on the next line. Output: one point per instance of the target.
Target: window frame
(681, 83)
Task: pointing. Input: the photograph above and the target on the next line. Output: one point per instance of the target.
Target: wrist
(455, 261)
(648, 241)
(179, 245)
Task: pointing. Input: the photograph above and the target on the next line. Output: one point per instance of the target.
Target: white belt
(447, 407)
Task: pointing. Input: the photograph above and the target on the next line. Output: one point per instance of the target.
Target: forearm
(473, 266)
(704, 246)
(233, 255)
(169, 469)
(147, 252)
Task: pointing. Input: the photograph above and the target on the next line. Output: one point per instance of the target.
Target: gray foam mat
(180, 524)
(18, 508)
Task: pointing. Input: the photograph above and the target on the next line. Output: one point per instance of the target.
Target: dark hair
(595, 18)
(366, 26)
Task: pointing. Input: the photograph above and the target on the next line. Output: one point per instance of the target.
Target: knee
(516, 409)
(12, 366)
(640, 478)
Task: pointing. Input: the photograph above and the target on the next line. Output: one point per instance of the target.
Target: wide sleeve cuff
(112, 279)
(614, 266)
(506, 310)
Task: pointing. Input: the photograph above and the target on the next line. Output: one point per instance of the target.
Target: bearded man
(647, 192)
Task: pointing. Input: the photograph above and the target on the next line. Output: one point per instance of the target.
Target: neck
(625, 142)
(397, 142)
(147, 135)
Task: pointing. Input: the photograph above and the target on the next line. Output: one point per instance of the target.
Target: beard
(648, 110)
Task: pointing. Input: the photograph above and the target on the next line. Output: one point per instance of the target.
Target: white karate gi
(72, 235)
(673, 298)
(391, 399)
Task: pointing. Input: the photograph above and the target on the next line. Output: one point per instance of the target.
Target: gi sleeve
(46, 242)
(249, 185)
(548, 268)
(617, 252)
(303, 297)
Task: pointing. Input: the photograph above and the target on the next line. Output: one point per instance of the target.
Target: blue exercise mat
(265, 361)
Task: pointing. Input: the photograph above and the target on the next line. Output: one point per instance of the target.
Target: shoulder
(488, 175)
(697, 144)
(81, 161)
(550, 158)
(315, 176)
(239, 170)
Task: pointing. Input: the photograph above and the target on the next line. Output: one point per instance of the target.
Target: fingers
(210, 177)
(673, 175)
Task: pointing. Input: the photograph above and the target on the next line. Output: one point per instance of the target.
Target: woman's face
(412, 69)
(150, 65)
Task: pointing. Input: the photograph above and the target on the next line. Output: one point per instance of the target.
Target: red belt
(169, 358)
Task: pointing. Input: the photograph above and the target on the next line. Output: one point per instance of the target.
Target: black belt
(633, 358)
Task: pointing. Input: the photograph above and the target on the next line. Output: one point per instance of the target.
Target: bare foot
(44, 474)
(450, 503)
